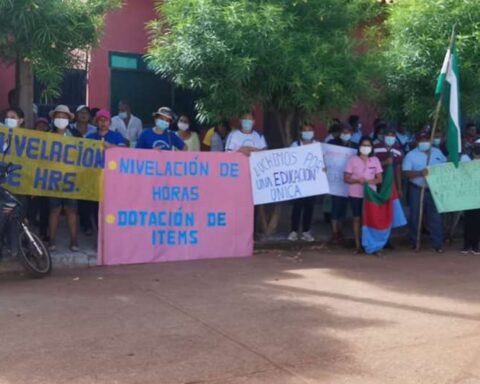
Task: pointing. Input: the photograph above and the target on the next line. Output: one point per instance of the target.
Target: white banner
(288, 174)
(336, 158)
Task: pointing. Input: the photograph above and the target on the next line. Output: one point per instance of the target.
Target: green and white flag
(449, 84)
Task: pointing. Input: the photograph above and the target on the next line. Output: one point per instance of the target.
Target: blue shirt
(168, 140)
(416, 160)
(111, 137)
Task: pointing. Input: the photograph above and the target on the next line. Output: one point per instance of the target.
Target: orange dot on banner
(112, 165)
(110, 219)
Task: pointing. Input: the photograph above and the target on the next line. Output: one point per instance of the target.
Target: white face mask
(11, 123)
(61, 123)
(183, 126)
(364, 150)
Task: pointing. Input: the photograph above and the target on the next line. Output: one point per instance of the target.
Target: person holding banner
(189, 137)
(160, 137)
(471, 233)
(362, 168)
(246, 140)
(340, 203)
(14, 118)
(305, 206)
(103, 133)
(61, 117)
(414, 168)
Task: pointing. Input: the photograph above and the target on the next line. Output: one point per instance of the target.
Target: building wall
(124, 32)
(7, 82)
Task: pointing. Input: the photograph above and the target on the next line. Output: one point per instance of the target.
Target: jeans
(434, 218)
(305, 205)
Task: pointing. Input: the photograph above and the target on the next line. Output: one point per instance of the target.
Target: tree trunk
(269, 215)
(24, 87)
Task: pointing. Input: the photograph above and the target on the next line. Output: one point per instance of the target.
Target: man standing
(128, 125)
(415, 169)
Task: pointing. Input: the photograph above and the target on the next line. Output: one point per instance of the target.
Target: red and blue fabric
(382, 212)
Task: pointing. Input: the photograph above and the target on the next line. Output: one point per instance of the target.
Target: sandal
(74, 248)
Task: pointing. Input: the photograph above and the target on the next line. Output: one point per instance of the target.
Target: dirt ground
(281, 317)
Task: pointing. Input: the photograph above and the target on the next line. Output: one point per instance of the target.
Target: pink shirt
(360, 169)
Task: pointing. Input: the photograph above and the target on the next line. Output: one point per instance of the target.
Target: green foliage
(418, 34)
(288, 55)
(47, 32)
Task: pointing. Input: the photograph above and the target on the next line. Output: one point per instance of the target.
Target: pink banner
(170, 206)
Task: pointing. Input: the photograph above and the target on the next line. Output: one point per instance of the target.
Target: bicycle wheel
(33, 254)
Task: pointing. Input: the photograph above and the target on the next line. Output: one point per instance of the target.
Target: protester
(471, 231)
(471, 135)
(189, 137)
(14, 118)
(160, 137)
(41, 125)
(356, 125)
(305, 206)
(415, 169)
(404, 137)
(340, 203)
(362, 168)
(103, 133)
(125, 123)
(246, 140)
(389, 152)
(219, 136)
(61, 117)
(82, 121)
(333, 130)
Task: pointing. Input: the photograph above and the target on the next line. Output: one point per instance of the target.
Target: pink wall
(124, 32)
(7, 82)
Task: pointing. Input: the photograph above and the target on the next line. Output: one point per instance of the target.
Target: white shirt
(238, 139)
(132, 132)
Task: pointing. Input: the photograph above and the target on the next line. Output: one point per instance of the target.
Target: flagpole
(432, 135)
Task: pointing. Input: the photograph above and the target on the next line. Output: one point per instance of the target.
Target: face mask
(389, 140)
(11, 123)
(307, 135)
(365, 150)
(424, 146)
(162, 124)
(61, 123)
(247, 125)
(436, 142)
(123, 115)
(345, 137)
(183, 126)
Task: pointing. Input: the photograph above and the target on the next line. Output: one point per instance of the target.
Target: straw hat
(61, 108)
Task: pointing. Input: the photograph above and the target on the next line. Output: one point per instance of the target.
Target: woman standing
(190, 138)
(362, 168)
(305, 206)
(471, 233)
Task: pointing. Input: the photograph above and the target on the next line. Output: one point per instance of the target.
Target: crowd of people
(385, 145)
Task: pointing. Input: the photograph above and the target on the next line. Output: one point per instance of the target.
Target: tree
(418, 34)
(295, 57)
(44, 37)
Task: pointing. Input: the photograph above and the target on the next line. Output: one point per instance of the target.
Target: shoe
(438, 250)
(74, 248)
(476, 251)
(465, 250)
(293, 236)
(307, 236)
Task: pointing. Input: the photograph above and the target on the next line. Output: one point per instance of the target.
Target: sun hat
(103, 113)
(165, 112)
(63, 109)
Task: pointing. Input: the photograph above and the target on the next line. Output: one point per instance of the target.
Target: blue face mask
(247, 125)
(123, 115)
(424, 146)
(307, 135)
(162, 124)
(389, 140)
(436, 142)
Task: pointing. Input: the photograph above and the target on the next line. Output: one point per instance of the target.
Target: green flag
(449, 84)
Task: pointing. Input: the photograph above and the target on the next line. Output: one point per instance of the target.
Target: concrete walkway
(280, 317)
